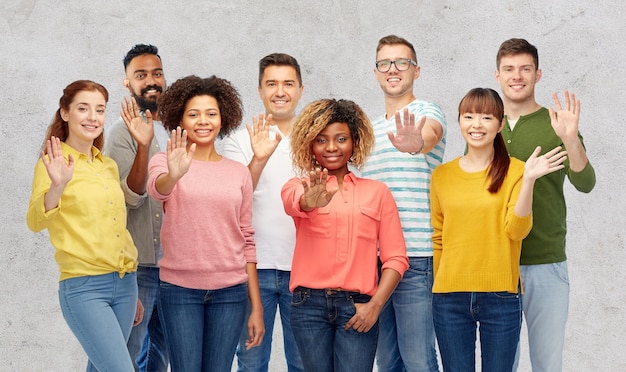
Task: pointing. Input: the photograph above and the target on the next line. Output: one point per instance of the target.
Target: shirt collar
(67, 149)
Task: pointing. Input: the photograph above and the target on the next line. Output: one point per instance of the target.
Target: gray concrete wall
(44, 45)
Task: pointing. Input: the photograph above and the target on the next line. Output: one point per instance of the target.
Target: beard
(148, 104)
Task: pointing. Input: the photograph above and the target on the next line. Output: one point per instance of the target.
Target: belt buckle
(332, 291)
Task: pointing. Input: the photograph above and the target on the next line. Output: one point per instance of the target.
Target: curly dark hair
(318, 115)
(172, 103)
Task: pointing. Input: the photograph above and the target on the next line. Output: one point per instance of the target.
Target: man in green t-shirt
(543, 265)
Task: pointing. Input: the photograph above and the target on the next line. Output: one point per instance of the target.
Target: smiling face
(280, 92)
(478, 129)
(145, 80)
(201, 119)
(85, 118)
(396, 83)
(332, 149)
(517, 76)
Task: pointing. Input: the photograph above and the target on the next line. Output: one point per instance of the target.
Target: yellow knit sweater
(477, 237)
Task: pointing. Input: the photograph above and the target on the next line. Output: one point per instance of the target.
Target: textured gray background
(44, 45)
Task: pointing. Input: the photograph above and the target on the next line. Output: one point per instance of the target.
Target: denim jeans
(100, 309)
(274, 286)
(318, 319)
(545, 303)
(407, 337)
(457, 316)
(202, 327)
(146, 344)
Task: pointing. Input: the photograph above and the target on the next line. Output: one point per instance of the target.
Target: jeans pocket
(299, 298)
(506, 295)
(560, 268)
(75, 283)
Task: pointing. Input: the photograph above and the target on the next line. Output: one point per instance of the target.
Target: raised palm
(408, 136)
(263, 145)
(59, 171)
(142, 131)
(178, 156)
(565, 119)
(315, 193)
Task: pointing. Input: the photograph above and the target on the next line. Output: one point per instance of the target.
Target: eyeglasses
(402, 64)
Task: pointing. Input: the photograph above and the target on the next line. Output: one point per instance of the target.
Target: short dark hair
(278, 59)
(395, 40)
(172, 103)
(517, 46)
(138, 50)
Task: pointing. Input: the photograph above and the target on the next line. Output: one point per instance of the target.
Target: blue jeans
(202, 327)
(318, 319)
(545, 303)
(100, 309)
(274, 286)
(146, 344)
(457, 315)
(407, 337)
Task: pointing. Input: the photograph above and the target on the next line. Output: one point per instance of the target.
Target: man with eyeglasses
(410, 142)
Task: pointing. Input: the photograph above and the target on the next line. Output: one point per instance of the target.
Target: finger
(398, 120)
(70, 161)
(183, 138)
(255, 124)
(567, 100)
(575, 104)
(536, 152)
(557, 103)
(135, 107)
(324, 176)
(269, 119)
(407, 117)
(179, 134)
(552, 113)
(552, 152)
(331, 193)
(55, 144)
(421, 123)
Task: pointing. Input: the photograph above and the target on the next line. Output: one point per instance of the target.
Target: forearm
(256, 167)
(576, 154)
(52, 197)
(431, 135)
(138, 175)
(524, 205)
(254, 294)
(165, 184)
(389, 279)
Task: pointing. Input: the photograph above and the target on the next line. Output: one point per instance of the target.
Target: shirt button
(508, 141)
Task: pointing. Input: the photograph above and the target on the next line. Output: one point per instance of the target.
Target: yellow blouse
(88, 227)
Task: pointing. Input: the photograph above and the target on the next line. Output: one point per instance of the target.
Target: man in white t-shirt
(264, 148)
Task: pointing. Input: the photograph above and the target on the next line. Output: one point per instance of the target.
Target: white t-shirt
(275, 232)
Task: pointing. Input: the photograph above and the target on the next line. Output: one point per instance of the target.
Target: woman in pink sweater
(208, 269)
(344, 224)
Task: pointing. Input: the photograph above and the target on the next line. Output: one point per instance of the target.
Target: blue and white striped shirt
(408, 177)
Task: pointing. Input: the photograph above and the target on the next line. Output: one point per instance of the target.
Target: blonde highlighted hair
(318, 115)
